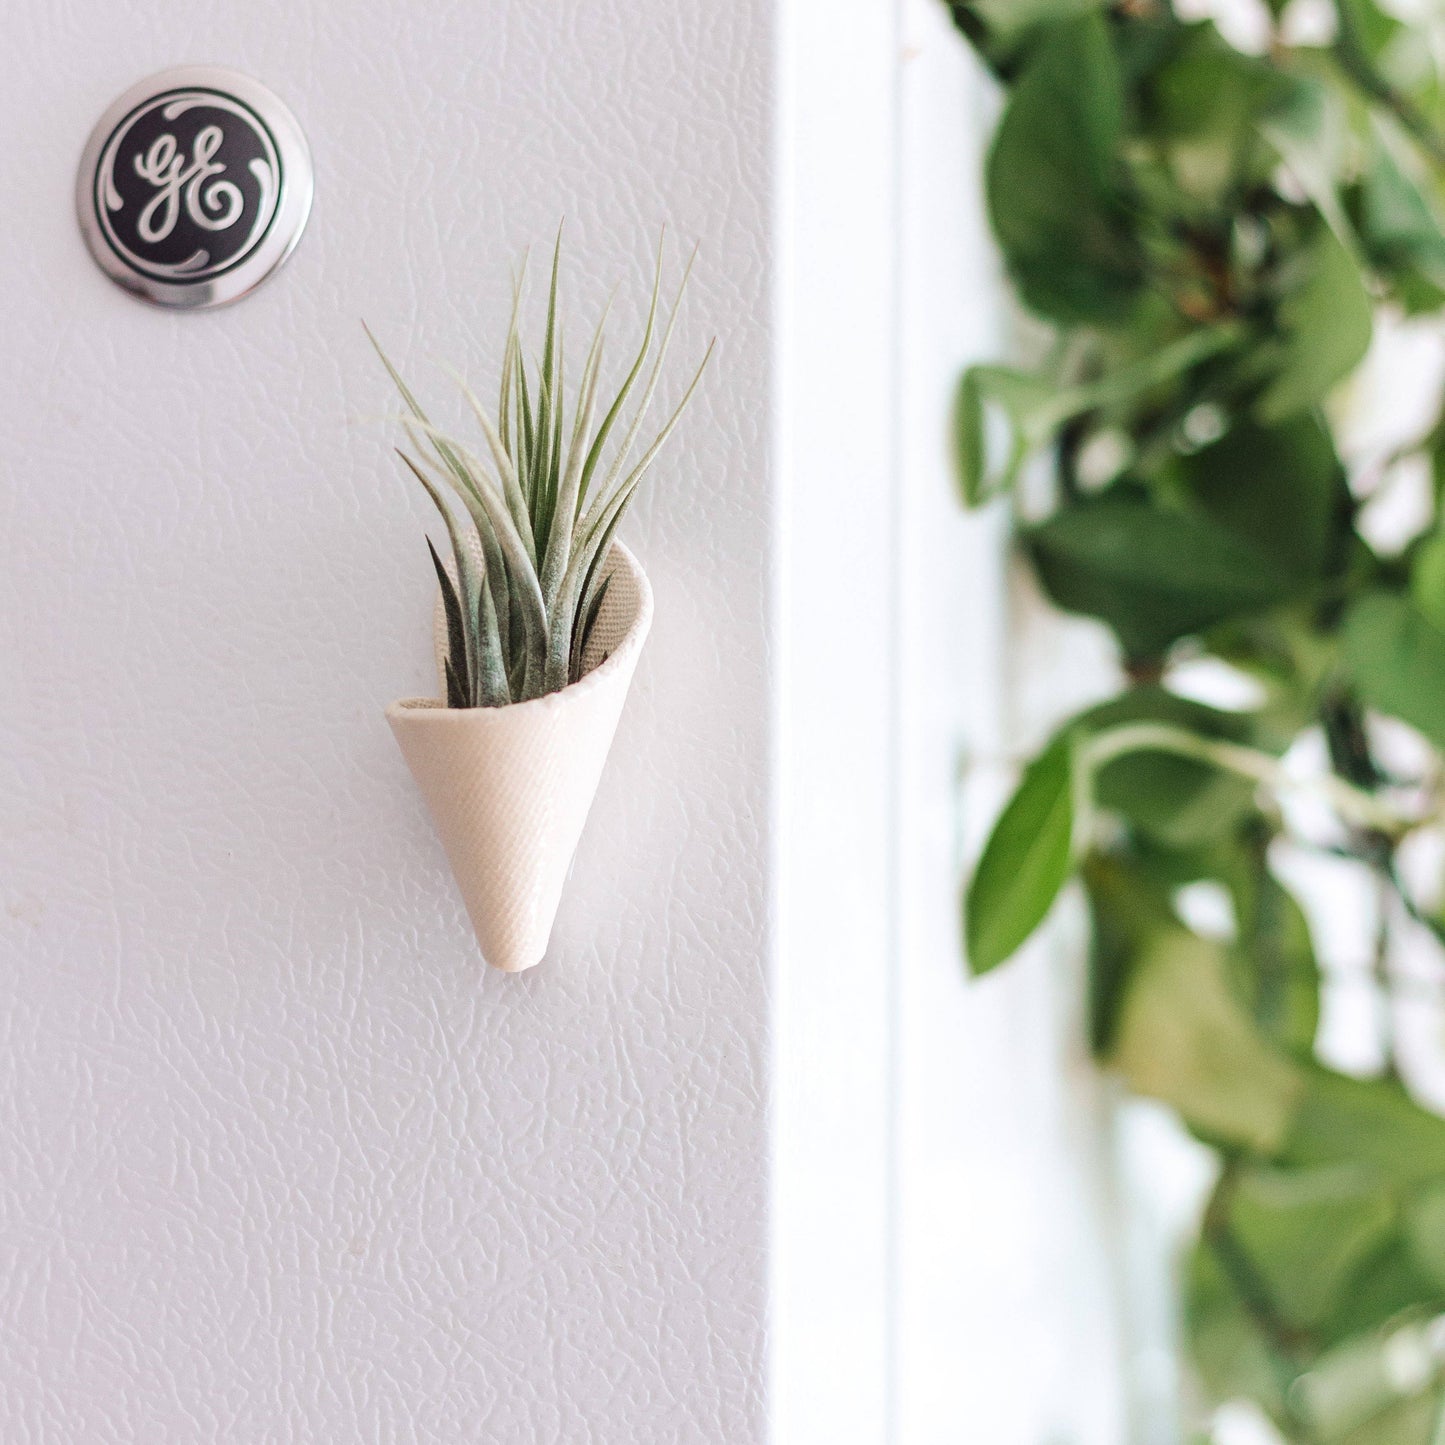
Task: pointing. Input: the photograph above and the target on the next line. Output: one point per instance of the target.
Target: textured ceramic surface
(281, 1160)
(509, 788)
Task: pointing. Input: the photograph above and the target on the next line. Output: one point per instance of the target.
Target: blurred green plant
(1211, 238)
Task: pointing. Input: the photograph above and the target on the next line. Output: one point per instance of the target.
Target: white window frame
(944, 1254)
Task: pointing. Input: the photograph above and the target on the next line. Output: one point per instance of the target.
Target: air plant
(535, 521)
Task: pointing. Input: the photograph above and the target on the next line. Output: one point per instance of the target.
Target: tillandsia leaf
(555, 460)
(496, 575)
(458, 695)
(594, 454)
(625, 450)
(565, 645)
(610, 504)
(488, 510)
(549, 343)
(413, 406)
(511, 486)
(594, 584)
(468, 580)
(504, 396)
(596, 533)
(550, 409)
(565, 514)
(526, 434)
(493, 688)
(531, 580)
(460, 482)
(457, 668)
(584, 418)
(583, 635)
(544, 458)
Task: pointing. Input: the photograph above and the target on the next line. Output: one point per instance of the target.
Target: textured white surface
(279, 1158)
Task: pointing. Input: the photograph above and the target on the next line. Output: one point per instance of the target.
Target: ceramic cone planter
(509, 787)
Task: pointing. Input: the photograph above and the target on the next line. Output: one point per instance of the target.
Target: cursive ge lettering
(213, 208)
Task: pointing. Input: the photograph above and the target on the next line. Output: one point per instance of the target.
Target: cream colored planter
(509, 787)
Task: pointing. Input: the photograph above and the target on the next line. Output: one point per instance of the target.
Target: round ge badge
(194, 187)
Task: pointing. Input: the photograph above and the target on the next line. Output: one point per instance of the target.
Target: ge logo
(188, 185)
(194, 187)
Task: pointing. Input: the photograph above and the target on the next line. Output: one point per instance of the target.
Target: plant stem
(1426, 920)
(1353, 804)
(1355, 60)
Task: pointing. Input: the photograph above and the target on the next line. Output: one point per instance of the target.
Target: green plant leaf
(1178, 802)
(1389, 1286)
(1020, 403)
(1427, 579)
(1126, 911)
(1307, 1231)
(1024, 863)
(457, 668)
(1227, 1346)
(1153, 575)
(1401, 231)
(1396, 658)
(997, 409)
(1273, 968)
(1205, 107)
(1425, 1232)
(470, 582)
(1053, 179)
(1367, 1123)
(1280, 490)
(1183, 1038)
(1366, 1392)
(1327, 322)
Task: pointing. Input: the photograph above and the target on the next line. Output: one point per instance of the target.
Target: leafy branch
(1211, 237)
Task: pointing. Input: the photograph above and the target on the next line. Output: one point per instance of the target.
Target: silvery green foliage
(531, 522)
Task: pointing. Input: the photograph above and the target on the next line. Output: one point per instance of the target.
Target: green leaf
(1427, 579)
(1205, 108)
(1366, 27)
(458, 695)
(1177, 801)
(1053, 180)
(1126, 910)
(1400, 230)
(1308, 126)
(1020, 403)
(1327, 321)
(1306, 1232)
(1391, 1284)
(1281, 490)
(1024, 863)
(1366, 1122)
(1153, 575)
(1425, 1232)
(1182, 1038)
(1273, 971)
(1396, 657)
(1027, 409)
(1371, 1391)
(1233, 1355)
